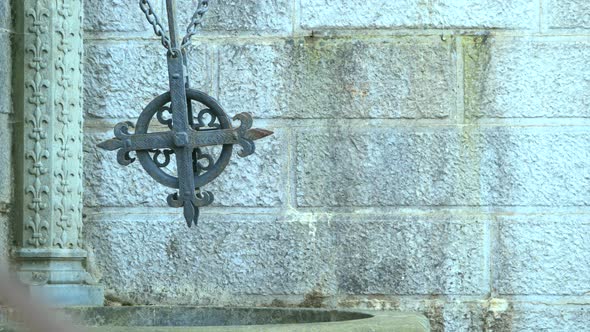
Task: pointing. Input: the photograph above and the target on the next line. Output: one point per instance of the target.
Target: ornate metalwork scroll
(196, 124)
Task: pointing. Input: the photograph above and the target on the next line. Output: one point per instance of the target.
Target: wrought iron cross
(186, 137)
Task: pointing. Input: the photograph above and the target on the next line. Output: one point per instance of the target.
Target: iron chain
(196, 20)
(148, 9)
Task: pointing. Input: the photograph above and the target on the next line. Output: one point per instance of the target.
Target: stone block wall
(6, 129)
(427, 156)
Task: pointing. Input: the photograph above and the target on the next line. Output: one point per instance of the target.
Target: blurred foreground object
(33, 315)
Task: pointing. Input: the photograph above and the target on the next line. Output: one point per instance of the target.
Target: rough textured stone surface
(458, 315)
(6, 180)
(445, 314)
(344, 166)
(115, 15)
(5, 238)
(5, 20)
(120, 79)
(252, 78)
(438, 263)
(265, 255)
(419, 14)
(258, 180)
(6, 176)
(497, 314)
(539, 166)
(5, 71)
(155, 259)
(255, 17)
(527, 78)
(538, 317)
(333, 78)
(389, 254)
(568, 14)
(542, 255)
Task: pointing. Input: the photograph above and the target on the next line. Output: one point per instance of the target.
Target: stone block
(229, 255)
(116, 16)
(6, 160)
(345, 166)
(409, 14)
(539, 166)
(5, 71)
(459, 315)
(406, 255)
(67, 295)
(5, 19)
(340, 78)
(542, 317)
(526, 78)
(258, 180)
(252, 78)
(120, 79)
(257, 17)
(5, 239)
(567, 14)
(106, 183)
(499, 314)
(154, 258)
(542, 254)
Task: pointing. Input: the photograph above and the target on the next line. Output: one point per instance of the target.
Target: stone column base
(57, 277)
(67, 295)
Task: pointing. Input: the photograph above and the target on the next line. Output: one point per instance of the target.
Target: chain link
(196, 20)
(148, 10)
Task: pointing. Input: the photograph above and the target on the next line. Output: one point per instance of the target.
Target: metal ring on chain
(211, 170)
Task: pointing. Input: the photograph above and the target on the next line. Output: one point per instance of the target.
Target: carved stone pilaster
(48, 103)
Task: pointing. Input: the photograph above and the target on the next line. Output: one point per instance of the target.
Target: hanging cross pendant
(187, 139)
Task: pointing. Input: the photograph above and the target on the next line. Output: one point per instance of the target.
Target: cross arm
(139, 142)
(226, 136)
(167, 140)
(125, 142)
